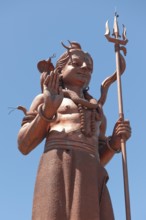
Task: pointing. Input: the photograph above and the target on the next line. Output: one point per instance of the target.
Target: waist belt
(70, 145)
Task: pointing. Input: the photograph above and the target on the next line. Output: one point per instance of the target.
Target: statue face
(78, 70)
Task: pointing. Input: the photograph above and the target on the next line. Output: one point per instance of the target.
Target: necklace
(87, 128)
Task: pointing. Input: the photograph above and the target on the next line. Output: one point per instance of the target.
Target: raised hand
(53, 94)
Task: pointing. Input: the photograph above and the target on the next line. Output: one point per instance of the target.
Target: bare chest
(73, 117)
(68, 107)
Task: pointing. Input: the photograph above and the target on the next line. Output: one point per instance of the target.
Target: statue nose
(84, 65)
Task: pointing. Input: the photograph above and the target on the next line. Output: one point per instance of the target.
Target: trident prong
(116, 27)
(116, 34)
(124, 33)
(107, 30)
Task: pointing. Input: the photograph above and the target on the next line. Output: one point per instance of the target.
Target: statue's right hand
(53, 94)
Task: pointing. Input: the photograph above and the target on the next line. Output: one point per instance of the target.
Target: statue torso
(68, 124)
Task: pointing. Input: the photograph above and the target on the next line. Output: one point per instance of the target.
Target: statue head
(64, 58)
(73, 49)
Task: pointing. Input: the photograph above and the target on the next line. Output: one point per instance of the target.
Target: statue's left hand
(122, 129)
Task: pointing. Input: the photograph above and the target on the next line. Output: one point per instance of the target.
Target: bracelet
(111, 148)
(41, 114)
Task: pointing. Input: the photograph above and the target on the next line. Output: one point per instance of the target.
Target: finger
(56, 71)
(126, 123)
(122, 128)
(48, 83)
(47, 79)
(122, 131)
(51, 79)
(57, 83)
(54, 83)
(122, 121)
(60, 91)
(122, 125)
(119, 131)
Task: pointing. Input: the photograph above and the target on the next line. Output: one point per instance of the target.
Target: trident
(117, 42)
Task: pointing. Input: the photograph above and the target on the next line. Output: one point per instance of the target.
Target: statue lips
(83, 76)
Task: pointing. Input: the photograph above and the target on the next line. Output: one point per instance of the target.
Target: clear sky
(32, 30)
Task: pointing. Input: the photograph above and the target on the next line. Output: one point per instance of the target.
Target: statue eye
(76, 64)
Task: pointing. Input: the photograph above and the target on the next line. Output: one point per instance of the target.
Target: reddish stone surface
(71, 179)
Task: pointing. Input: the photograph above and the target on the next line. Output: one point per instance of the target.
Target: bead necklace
(91, 124)
(87, 128)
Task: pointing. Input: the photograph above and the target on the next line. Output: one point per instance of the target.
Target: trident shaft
(117, 43)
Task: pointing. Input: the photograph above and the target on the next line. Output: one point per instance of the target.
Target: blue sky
(32, 30)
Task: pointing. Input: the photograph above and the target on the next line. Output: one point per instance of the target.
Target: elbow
(23, 147)
(104, 159)
(23, 151)
(103, 162)
(23, 143)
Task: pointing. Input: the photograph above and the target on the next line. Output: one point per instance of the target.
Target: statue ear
(59, 71)
(61, 83)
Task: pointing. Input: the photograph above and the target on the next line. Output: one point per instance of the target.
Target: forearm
(31, 134)
(107, 149)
